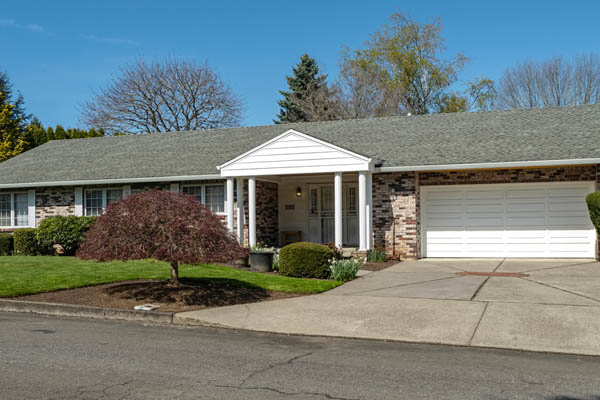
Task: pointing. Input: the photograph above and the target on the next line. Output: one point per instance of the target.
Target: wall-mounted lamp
(299, 191)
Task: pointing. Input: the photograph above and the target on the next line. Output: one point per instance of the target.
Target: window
(212, 196)
(96, 200)
(14, 209)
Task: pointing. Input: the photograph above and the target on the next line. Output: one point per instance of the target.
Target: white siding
(295, 153)
(507, 220)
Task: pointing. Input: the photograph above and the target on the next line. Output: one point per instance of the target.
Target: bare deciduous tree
(552, 83)
(163, 97)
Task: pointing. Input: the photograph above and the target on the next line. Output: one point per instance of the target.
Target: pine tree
(305, 77)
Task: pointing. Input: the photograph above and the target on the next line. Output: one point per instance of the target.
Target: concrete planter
(261, 262)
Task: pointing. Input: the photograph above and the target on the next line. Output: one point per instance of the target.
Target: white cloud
(11, 23)
(34, 27)
(110, 40)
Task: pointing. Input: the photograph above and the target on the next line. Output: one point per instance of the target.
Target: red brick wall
(267, 209)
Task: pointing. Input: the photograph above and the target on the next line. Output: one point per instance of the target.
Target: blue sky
(57, 53)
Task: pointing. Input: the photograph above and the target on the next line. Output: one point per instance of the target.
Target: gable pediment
(294, 152)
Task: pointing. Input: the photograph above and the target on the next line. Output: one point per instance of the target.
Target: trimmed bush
(66, 231)
(6, 244)
(593, 203)
(25, 242)
(305, 260)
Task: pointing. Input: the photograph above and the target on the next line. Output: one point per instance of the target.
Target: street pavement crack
(284, 393)
(271, 366)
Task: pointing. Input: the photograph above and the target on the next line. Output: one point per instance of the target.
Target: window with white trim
(14, 210)
(96, 200)
(212, 196)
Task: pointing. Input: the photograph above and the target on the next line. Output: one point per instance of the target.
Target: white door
(321, 214)
(507, 220)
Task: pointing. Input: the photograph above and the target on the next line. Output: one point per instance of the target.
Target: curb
(69, 310)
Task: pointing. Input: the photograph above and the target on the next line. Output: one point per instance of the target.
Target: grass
(20, 275)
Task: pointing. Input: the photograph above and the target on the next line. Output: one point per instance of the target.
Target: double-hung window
(212, 196)
(96, 200)
(14, 210)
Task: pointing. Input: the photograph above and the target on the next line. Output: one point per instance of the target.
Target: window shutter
(78, 201)
(31, 208)
(126, 190)
(175, 187)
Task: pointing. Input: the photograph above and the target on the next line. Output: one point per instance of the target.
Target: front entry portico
(335, 189)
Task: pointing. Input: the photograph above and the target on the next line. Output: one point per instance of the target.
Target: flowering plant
(345, 269)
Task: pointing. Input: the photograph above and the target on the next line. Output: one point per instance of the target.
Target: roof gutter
(490, 165)
(112, 181)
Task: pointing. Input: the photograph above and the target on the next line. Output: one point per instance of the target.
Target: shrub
(377, 254)
(337, 251)
(166, 226)
(305, 260)
(26, 243)
(6, 244)
(593, 203)
(346, 269)
(66, 231)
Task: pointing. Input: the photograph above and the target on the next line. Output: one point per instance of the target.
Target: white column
(339, 232)
(362, 215)
(369, 211)
(240, 210)
(252, 211)
(229, 204)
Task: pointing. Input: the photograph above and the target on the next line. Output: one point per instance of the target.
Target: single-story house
(483, 184)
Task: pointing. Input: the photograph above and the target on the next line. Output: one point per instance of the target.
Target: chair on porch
(288, 237)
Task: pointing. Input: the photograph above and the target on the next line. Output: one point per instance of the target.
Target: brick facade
(53, 201)
(267, 213)
(396, 211)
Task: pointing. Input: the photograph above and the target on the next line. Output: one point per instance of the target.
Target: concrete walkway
(543, 305)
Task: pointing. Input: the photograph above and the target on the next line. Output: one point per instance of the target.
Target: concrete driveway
(541, 305)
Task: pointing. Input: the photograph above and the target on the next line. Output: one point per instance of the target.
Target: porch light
(299, 191)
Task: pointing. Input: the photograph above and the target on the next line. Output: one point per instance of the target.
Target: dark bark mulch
(191, 294)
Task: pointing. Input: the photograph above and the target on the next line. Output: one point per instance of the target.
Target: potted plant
(261, 258)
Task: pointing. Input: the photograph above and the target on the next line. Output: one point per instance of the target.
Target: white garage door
(507, 220)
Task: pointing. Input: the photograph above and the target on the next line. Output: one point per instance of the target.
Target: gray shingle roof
(461, 138)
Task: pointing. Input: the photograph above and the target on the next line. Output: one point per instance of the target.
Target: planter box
(261, 262)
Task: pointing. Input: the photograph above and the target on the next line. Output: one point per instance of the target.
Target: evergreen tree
(305, 77)
(12, 121)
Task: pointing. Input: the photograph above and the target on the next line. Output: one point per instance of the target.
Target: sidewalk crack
(478, 323)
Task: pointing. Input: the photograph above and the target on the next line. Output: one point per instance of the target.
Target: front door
(321, 214)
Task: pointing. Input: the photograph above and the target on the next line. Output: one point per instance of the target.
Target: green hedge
(6, 244)
(593, 203)
(305, 260)
(26, 243)
(66, 231)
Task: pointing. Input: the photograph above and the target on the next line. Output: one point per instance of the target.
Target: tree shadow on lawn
(213, 292)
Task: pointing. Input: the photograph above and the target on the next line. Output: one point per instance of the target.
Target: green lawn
(21, 275)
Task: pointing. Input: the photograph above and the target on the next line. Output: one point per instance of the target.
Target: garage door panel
(566, 205)
(526, 207)
(525, 220)
(512, 220)
(526, 194)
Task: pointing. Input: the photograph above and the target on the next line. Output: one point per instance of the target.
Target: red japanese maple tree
(162, 225)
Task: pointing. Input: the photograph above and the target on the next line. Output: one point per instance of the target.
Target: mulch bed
(191, 294)
(378, 266)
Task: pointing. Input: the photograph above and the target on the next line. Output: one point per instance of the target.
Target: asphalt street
(53, 358)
